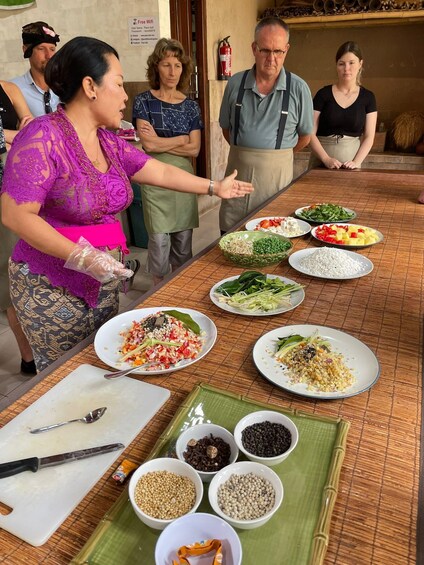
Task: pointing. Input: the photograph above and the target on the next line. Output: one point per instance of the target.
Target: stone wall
(96, 18)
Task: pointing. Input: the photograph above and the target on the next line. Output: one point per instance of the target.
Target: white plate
(296, 298)
(108, 339)
(304, 226)
(342, 245)
(357, 356)
(299, 211)
(295, 261)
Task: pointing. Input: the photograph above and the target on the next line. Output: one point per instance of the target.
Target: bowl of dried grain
(161, 490)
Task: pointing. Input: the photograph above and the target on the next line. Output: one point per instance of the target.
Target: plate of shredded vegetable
(316, 361)
(325, 213)
(256, 294)
(160, 339)
(282, 225)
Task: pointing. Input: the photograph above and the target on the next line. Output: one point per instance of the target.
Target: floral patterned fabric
(48, 165)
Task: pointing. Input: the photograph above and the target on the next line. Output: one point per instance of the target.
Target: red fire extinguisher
(224, 58)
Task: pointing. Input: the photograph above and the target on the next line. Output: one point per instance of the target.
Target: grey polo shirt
(34, 95)
(260, 115)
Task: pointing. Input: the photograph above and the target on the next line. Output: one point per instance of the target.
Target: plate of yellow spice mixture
(316, 361)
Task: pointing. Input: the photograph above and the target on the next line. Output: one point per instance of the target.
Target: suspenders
(284, 109)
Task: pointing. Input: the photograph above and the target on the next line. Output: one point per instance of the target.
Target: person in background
(39, 45)
(266, 115)
(345, 115)
(14, 115)
(169, 126)
(62, 202)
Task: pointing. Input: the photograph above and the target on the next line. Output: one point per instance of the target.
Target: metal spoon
(128, 371)
(91, 417)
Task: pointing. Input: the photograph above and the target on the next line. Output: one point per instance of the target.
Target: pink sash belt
(99, 235)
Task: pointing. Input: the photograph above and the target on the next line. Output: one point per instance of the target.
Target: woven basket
(256, 260)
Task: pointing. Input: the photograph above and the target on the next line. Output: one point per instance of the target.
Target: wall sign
(143, 30)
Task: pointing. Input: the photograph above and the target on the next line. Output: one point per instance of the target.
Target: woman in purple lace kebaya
(66, 178)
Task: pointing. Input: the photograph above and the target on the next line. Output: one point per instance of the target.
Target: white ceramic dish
(263, 416)
(192, 528)
(303, 226)
(108, 339)
(341, 245)
(296, 259)
(296, 298)
(164, 464)
(358, 357)
(200, 431)
(299, 211)
(243, 468)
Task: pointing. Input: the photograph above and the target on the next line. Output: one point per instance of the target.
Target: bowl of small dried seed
(266, 437)
(161, 490)
(207, 448)
(246, 494)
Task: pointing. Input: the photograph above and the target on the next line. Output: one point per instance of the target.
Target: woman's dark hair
(350, 47)
(163, 48)
(79, 58)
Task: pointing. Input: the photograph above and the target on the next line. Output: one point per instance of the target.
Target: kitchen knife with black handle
(34, 464)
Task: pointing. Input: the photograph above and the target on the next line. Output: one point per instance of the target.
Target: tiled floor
(11, 378)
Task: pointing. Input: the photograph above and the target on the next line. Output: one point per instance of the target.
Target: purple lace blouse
(47, 164)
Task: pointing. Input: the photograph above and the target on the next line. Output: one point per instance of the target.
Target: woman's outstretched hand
(232, 188)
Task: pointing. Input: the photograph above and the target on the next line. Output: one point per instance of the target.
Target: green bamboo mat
(298, 533)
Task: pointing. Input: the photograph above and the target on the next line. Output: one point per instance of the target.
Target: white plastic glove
(98, 264)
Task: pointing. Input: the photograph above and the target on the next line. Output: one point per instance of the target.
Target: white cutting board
(41, 501)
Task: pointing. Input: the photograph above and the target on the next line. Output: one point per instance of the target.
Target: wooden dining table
(378, 513)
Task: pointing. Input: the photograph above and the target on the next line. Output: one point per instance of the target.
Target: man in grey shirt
(39, 45)
(266, 115)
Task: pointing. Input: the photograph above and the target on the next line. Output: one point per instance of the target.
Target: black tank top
(8, 114)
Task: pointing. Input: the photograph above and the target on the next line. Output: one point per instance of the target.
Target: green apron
(169, 211)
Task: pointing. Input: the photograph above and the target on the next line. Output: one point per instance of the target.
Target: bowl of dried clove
(208, 448)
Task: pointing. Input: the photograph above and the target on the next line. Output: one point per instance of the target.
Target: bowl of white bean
(161, 490)
(246, 494)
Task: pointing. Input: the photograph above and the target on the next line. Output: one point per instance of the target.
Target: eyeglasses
(267, 52)
(47, 107)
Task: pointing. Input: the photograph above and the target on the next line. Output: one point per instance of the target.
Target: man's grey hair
(272, 21)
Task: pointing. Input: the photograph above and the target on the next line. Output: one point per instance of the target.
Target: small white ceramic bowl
(164, 464)
(196, 527)
(243, 468)
(270, 416)
(200, 431)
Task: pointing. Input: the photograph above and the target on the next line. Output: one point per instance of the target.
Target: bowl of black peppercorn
(207, 448)
(266, 437)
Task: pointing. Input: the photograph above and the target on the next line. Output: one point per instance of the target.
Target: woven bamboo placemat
(375, 515)
(310, 476)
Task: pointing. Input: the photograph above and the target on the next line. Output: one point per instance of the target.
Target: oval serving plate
(345, 245)
(360, 359)
(109, 338)
(299, 212)
(303, 226)
(296, 298)
(295, 261)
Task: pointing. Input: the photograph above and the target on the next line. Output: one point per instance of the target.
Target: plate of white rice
(331, 263)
